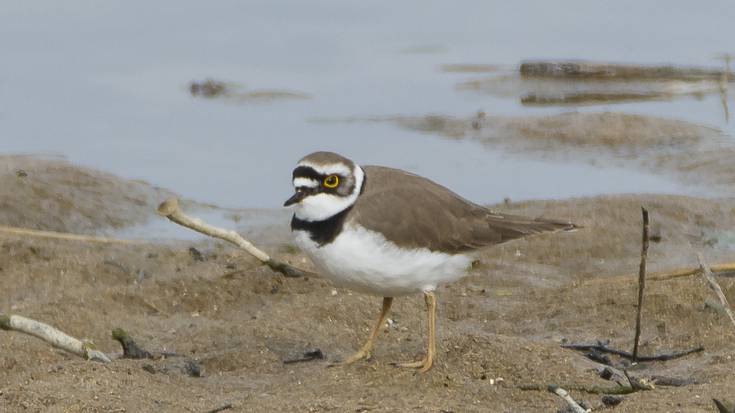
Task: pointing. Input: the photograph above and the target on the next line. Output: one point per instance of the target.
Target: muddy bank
(692, 153)
(565, 92)
(580, 83)
(52, 195)
(580, 69)
(239, 322)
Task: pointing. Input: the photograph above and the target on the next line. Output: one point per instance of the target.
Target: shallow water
(106, 86)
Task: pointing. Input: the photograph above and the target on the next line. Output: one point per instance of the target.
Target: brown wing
(415, 212)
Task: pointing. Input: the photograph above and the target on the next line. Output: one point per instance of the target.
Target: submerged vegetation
(235, 92)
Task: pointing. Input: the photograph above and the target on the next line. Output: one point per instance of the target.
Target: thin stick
(716, 287)
(64, 236)
(724, 406)
(170, 209)
(641, 282)
(576, 408)
(664, 275)
(633, 385)
(616, 389)
(629, 356)
(51, 335)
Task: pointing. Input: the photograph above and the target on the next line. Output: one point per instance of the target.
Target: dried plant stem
(641, 282)
(624, 354)
(170, 209)
(716, 287)
(664, 275)
(63, 235)
(51, 335)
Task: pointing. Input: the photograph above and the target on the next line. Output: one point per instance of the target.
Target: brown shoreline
(239, 321)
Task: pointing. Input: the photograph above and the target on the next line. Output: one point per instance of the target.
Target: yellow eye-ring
(331, 181)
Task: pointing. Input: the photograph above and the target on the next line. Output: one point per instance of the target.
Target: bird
(391, 233)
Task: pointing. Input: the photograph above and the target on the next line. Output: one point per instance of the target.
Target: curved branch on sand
(170, 209)
(53, 336)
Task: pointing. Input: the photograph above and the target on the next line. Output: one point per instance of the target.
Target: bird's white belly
(365, 261)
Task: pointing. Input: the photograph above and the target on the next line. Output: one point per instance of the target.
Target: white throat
(323, 206)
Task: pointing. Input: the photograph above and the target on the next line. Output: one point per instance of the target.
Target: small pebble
(606, 373)
(196, 254)
(611, 400)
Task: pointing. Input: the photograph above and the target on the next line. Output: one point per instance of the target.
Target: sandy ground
(239, 321)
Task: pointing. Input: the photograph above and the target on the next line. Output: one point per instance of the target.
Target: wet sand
(239, 321)
(693, 154)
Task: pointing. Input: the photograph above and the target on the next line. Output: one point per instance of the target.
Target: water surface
(105, 85)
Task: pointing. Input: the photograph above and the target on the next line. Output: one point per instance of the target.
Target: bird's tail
(514, 226)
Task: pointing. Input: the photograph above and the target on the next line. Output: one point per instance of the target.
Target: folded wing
(415, 212)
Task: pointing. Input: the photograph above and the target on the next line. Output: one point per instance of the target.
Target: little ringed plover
(390, 233)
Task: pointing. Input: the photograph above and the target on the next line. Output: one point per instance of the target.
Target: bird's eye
(331, 181)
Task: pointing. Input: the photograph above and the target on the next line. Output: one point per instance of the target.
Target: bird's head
(326, 184)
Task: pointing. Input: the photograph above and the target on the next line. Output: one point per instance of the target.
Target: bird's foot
(423, 365)
(362, 354)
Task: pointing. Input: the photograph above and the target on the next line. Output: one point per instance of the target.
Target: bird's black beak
(296, 198)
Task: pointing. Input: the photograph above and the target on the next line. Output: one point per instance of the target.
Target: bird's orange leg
(364, 352)
(425, 364)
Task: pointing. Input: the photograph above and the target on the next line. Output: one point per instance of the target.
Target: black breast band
(321, 232)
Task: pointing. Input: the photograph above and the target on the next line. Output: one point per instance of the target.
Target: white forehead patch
(307, 182)
(335, 168)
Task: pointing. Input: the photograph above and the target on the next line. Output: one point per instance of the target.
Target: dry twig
(600, 347)
(64, 236)
(664, 275)
(624, 354)
(716, 287)
(170, 209)
(576, 408)
(724, 406)
(641, 282)
(51, 335)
